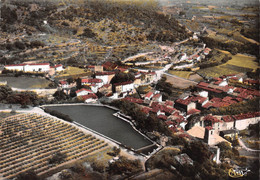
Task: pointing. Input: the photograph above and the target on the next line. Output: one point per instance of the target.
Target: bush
(57, 158)
(58, 114)
(28, 175)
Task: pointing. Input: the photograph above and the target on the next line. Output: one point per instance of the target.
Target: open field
(31, 141)
(72, 71)
(183, 74)
(26, 82)
(238, 64)
(179, 82)
(195, 77)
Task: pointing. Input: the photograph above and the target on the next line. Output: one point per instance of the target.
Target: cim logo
(238, 172)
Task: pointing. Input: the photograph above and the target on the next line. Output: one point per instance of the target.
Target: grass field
(71, 71)
(183, 74)
(238, 64)
(26, 82)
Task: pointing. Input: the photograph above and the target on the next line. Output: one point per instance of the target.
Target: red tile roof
(157, 96)
(207, 105)
(183, 101)
(169, 103)
(211, 118)
(134, 100)
(123, 83)
(63, 82)
(146, 110)
(218, 82)
(203, 84)
(227, 118)
(95, 80)
(216, 99)
(149, 94)
(58, 65)
(106, 85)
(169, 123)
(209, 127)
(90, 96)
(193, 111)
(234, 78)
(217, 79)
(246, 116)
(109, 65)
(15, 65)
(91, 67)
(163, 117)
(83, 89)
(209, 89)
(33, 64)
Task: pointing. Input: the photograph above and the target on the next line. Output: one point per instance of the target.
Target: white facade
(223, 83)
(14, 68)
(204, 93)
(127, 87)
(44, 67)
(59, 68)
(94, 88)
(104, 78)
(90, 100)
(83, 92)
(244, 123)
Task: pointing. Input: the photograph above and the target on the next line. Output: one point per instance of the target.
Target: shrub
(58, 114)
(57, 158)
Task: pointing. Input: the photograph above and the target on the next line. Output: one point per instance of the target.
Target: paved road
(242, 144)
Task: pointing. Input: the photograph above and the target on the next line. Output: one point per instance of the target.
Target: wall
(42, 68)
(104, 78)
(244, 123)
(18, 68)
(190, 106)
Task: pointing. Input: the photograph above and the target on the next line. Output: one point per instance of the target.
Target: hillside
(126, 27)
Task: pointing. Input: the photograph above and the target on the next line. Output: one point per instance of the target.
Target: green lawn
(238, 64)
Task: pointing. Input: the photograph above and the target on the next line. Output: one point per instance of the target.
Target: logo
(238, 172)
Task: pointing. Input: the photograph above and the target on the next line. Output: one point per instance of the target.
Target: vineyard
(32, 141)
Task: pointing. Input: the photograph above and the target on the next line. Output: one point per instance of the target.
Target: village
(166, 91)
(110, 81)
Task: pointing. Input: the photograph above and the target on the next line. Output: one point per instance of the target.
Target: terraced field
(183, 74)
(238, 64)
(31, 141)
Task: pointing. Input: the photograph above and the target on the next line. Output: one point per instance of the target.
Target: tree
(57, 158)
(60, 95)
(28, 175)
(197, 151)
(124, 166)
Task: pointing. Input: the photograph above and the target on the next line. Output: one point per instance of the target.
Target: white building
(58, 67)
(124, 86)
(105, 76)
(92, 82)
(83, 92)
(37, 67)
